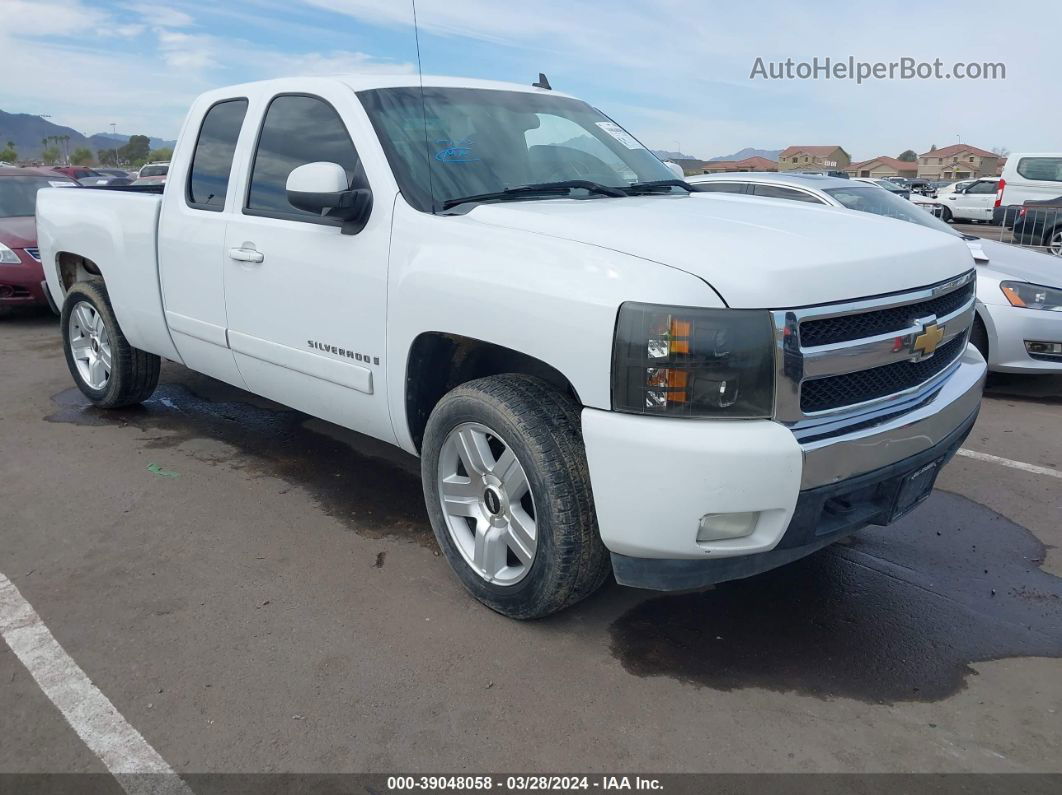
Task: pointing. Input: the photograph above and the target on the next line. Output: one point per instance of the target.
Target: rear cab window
(208, 175)
(297, 129)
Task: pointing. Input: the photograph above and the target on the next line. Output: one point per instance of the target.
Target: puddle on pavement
(896, 614)
(373, 496)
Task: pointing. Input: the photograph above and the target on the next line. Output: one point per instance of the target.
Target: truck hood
(755, 252)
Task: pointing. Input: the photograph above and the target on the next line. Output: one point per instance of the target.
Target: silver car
(1019, 292)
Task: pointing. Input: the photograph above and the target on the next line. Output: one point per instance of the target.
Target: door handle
(246, 255)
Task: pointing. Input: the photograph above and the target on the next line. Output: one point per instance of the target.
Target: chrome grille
(837, 362)
(34, 252)
(822, 394)
(867, 324)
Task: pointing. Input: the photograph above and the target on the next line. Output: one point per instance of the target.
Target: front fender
(552, 299)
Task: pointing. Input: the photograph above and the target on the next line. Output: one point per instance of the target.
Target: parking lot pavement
(256, 591)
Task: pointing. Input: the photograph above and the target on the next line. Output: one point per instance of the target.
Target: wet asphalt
(258, 591)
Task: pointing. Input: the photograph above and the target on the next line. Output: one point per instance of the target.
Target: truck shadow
(372, 488)
(897, 614)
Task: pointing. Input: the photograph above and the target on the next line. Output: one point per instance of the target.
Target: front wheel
(106, 368)
(945, 215)
(507, 489)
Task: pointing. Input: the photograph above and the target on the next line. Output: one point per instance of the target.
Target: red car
(77, 172)
(21, 275)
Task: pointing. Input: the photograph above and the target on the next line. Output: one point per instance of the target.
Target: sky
(676, 73)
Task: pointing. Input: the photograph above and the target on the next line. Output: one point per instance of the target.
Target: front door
(306, 303)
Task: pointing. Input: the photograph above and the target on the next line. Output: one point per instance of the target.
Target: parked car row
(1010, 280)
(21, 276)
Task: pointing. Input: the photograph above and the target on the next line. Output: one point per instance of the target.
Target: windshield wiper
(541, 189)
(656, 185)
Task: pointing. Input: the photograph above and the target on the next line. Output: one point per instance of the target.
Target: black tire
(134, 373)
(979, 337)
(945, 215)
(5, 310)
(541, 425)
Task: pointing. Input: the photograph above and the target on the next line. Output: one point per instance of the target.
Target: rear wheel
(106, 368)
(508, 493)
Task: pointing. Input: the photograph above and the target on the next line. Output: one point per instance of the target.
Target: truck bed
(116, 229)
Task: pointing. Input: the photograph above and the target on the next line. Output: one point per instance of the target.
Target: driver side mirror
(321, 188)
(676, 169)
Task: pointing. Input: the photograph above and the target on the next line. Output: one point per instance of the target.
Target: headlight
(690, 362)
(1032, 296)
(8, 257)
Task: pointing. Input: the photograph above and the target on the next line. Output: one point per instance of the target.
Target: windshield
(484, 141)
(154, 171)
(871, 200)
(18, 195)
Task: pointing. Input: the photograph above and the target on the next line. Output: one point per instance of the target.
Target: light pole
(114, 131)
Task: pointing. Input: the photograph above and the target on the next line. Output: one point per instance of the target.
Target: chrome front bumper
(894, 436)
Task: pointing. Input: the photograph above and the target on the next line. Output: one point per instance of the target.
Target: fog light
(721, 526)
(1044, 348)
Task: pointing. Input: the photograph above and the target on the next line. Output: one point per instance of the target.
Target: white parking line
(995, 459)
(136, 766)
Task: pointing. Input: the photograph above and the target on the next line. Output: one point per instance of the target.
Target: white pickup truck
(601, 371)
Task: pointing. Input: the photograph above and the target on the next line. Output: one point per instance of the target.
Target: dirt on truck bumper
(683, 503)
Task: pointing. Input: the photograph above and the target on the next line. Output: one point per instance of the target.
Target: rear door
(191, 237)
(306, 303)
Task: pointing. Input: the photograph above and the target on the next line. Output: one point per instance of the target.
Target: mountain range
(27, 132)
(748, 151)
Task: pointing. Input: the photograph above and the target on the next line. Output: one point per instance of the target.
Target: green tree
(81, 156)
(8, 154)
(136, 151)
(162, 155)
(105, 157)
(50, 155)
(908, 156)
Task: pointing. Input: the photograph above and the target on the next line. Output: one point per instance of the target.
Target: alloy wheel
(90, 345)
(487, 504)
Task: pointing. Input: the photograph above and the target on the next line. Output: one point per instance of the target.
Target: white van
(1028, 177)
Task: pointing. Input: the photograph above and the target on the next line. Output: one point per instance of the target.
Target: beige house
(958, 161)
(755, 163)
(814, 158)
(881, 167)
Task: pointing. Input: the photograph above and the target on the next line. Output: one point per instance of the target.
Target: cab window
(208, 176)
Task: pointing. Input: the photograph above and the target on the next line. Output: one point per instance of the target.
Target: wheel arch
(439, 361)
(73, 268)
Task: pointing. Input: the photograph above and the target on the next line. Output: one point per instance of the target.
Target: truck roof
(367, 81)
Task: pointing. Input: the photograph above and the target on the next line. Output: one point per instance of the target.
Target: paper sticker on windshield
(61, 184)
(619, 134)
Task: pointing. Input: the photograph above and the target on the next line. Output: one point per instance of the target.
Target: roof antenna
(543, 82)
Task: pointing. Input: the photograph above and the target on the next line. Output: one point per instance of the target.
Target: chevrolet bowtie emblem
(926, 343)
